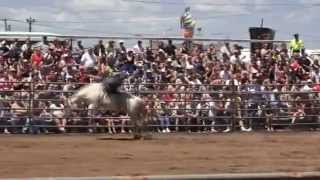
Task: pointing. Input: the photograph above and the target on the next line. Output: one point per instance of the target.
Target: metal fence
(36, 107)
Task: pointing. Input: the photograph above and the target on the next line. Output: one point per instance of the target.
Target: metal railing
(251, 111)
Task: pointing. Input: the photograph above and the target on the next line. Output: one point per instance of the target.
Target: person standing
(99, 49)
(89, 59)
(296, 45)
(170, 49)
(138, 48)
(187, 24)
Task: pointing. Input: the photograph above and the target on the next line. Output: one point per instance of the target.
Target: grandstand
(170, 73)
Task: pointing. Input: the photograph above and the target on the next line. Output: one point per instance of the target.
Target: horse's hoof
(137, 137)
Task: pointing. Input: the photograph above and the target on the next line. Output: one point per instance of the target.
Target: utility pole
(30, 21)
(9, 27)
(5, 20)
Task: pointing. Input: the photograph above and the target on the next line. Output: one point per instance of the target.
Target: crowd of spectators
(233, 85)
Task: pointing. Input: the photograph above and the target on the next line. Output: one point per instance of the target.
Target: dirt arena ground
(99, 155)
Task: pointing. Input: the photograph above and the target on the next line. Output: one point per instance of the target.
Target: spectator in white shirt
(89, 59)
(226, 49)
(138, 48)
(315, 75)
(58, 115)
(307, 86)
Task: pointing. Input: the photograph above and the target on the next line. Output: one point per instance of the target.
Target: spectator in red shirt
(37, 58)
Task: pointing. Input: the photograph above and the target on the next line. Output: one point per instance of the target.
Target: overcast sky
(217, 18)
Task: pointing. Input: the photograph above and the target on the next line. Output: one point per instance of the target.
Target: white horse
(93, 94)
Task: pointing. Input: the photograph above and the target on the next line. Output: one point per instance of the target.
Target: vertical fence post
(30, 108)
(234, 108)
(185, 110)
(32, 101)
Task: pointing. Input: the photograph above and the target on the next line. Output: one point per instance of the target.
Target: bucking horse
(96, 96)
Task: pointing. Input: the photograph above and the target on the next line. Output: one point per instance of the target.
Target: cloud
(218, 6)
(125, 17)
(83, 5)
(115, 15)
(304, 14)
(83, 12)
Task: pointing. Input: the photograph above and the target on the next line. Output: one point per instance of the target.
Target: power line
(90, 30)
(16, 20)
(53, 24)
(104, 21)
(107, 20)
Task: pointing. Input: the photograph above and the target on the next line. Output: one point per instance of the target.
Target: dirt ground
(101, 155)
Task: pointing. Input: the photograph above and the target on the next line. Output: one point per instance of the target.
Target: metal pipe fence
(235, 108)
